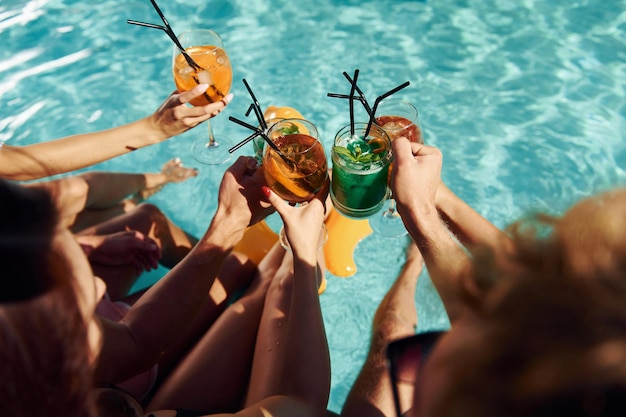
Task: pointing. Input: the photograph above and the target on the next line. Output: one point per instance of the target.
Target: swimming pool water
(526, 99)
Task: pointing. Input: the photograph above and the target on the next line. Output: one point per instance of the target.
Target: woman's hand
(302, 224)
(240, 200)
(175, 116)
(122, 248)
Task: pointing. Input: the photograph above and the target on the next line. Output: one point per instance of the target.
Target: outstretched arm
(79, 151)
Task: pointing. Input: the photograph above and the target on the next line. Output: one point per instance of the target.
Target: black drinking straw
(257, 107)
(353, 87)
(167, 29)
(243, 142)
(377, 102)
(257, 132)
(362, 98)
(359, 97)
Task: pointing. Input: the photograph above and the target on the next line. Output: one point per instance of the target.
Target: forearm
(76, 152)
(165, 309)
(472, 229)
(447, 262)
(308, 359)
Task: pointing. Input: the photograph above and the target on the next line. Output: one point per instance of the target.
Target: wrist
(151, 132)
(226, 229)
(443, 196)
(420, 217)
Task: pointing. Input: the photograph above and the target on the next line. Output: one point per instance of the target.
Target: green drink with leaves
(360, 170)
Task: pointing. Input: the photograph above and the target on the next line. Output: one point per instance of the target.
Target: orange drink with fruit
(215, 71)
(205, 61)
(296, 167)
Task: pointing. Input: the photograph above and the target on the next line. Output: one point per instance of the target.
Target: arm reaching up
(415, 179)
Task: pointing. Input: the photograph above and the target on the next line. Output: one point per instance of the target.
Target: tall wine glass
(206, 49)
(398, 118)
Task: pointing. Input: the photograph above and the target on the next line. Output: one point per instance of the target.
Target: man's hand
(415, 176)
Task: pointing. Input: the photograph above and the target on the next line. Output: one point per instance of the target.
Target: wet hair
(44, 349)
(547, 341)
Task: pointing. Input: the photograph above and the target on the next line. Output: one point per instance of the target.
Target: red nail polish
(266, 190)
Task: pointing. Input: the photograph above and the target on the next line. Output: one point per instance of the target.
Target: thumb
(401, 148)
(278, 203)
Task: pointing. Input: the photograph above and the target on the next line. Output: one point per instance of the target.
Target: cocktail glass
(206, 49)
(298, 169)
(398, 118)
(360, 170)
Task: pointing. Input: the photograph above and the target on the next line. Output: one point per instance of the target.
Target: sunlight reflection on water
(526, 101)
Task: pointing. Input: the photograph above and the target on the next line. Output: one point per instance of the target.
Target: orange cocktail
(211, 65)
(298, 170)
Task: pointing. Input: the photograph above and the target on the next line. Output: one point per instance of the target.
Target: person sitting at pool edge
(541, 296)
(45, 159)
(121, 234)
(293, 378)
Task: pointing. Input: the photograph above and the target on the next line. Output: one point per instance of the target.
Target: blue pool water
(526, 99)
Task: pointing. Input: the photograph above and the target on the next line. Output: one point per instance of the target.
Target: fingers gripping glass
(405, 360)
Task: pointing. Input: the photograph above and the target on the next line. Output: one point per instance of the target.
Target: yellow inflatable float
(344, 235)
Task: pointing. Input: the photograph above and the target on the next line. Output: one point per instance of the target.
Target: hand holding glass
(206, 49)
(399, 119)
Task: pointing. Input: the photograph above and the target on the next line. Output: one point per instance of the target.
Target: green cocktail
(360, 170)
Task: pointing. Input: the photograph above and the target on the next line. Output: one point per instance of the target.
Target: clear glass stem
(391, 210)
(212, 143)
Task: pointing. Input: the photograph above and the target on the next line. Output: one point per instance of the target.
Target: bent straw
(259, 132)
(188, 58)
(377, 102)
(256, 130)
(167, 29)
(257, 107)
(353, 87)
(243, 142)
(361, 95)
(360, 98)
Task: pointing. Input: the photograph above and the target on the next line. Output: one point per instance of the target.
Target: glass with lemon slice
(298, 170)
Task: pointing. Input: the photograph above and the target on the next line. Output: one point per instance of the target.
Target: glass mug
(360, 170)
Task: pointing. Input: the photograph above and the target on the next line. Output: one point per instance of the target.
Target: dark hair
(27, 221)
(548, 342)
(43, 335)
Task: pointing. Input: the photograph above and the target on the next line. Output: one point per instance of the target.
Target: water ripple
(526, 100)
